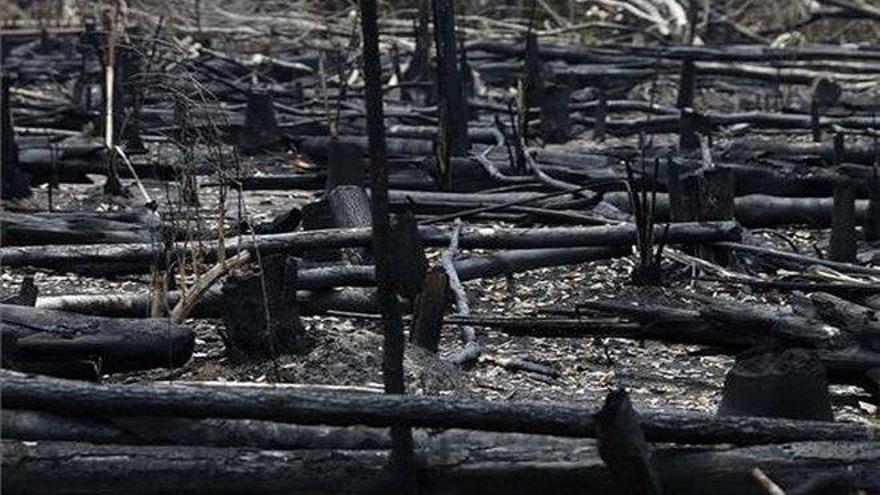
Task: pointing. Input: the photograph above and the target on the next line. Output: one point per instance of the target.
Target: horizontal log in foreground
(452, 462)
(122, 257)
(60, 343)
(20, 391)
(42, 426)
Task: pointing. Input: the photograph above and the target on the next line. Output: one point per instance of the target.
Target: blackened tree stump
(430, 309)
(788, 384)
(260, 126)
(410, 263)
(555, 115)
(345, 165)
(843, 224)
(260, 315)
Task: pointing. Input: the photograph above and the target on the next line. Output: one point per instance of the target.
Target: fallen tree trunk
(28, 229)
(455, 462)
(209, 306)
(737, 330)
(343, 409)
(131, 258)
(48, 341)
(758, 210)
(43, 426)
(499, 263)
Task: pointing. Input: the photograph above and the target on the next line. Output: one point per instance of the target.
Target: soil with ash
(345, 351)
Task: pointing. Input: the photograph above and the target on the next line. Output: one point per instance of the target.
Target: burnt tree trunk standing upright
(392, 365)
(15, 182)
(872, 219)
(533, 73)
(113, 186)
(687, 87)
(452, 104)
(843, 224)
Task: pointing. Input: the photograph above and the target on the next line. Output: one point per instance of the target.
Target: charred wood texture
(491, 464)
(345, 165)
(27, 229)
(408, 253)
(69, 397)
(430, 308)
(555, 114)
(872, 217)
(260, 314)
(130, 258)
(452, 111)
(16, 184)
(843, 246)
(533, 74)
(788, 384)
(350, 207)
(43, 426)
(260, 129)
(393, 344)
(623, 448)
(55, 342)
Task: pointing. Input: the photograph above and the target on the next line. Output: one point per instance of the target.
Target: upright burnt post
(129, 94)
(16, 184)
(430, 309)
(720, 186)
(421, 58)
(825, 94)
(533, 72)
(555, 118)
(872, 218)
(452, 107)
(720, 205)
(260, 125)
(601, 116)
(402, 460)
(843, 223)
(345, 165)
(687, 84)
(688, 139)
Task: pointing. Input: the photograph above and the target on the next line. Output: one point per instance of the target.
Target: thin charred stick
(402, 460)
(519, 164)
